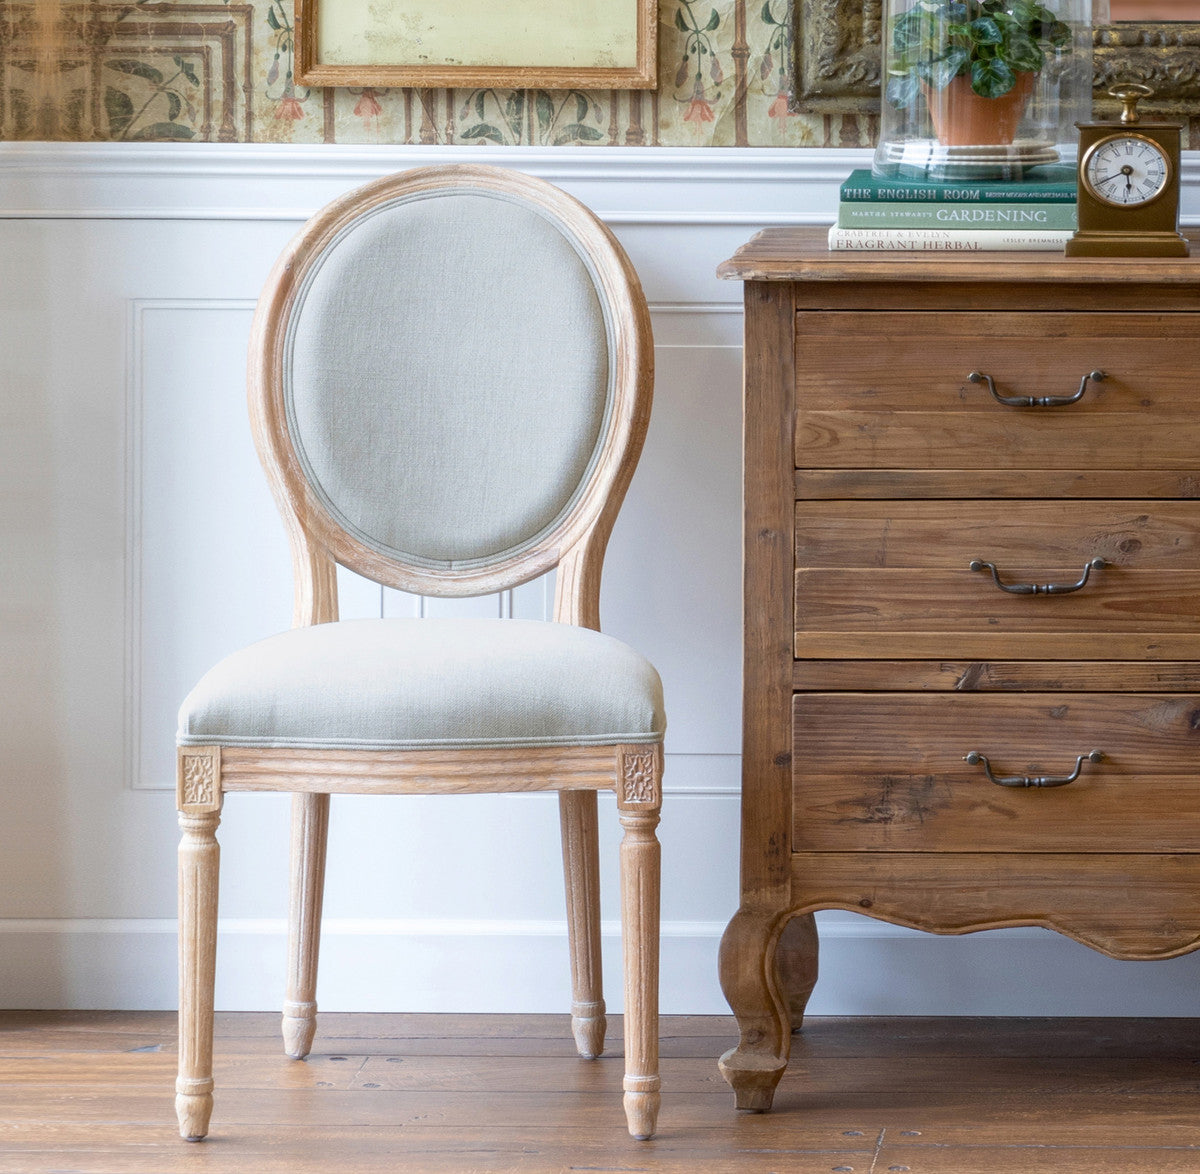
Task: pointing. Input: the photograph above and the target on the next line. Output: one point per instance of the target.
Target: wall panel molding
(137, 311)
(125, 257)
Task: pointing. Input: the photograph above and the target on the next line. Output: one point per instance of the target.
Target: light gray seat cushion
(427, 684)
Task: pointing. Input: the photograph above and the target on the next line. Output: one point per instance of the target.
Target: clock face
(1126, 170)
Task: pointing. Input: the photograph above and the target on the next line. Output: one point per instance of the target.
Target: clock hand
(1127, 172)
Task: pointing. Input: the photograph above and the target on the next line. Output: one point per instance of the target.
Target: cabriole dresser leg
(796, 958)
(751, 984)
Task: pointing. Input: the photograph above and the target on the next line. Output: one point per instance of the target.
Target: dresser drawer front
(894, 579)
(887, 390)
(886, 772)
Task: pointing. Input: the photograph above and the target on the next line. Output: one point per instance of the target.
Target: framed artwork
(838, 58)
(516, 44)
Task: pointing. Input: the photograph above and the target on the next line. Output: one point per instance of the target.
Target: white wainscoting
(139, 544)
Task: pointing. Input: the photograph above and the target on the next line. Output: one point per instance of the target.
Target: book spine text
(956, 216)
(917, 240)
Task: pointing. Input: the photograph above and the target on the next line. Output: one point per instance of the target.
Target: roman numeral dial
(1126, 170)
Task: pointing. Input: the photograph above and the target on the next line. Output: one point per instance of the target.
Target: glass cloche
(982, 89)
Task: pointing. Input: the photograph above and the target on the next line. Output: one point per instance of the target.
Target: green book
(1025, 216)
(1054, 184)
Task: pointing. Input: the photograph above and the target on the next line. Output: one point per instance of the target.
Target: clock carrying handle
(1036, 401)
(1129, 95)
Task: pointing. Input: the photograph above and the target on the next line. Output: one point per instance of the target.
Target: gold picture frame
(838, 60)
(455, 44)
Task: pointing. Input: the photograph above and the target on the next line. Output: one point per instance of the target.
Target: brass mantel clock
(1128, 185)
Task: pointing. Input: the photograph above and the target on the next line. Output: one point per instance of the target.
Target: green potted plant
(975, 63)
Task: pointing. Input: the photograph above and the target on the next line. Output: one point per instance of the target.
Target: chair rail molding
(279, 182)
(200, 181)
(131, 271)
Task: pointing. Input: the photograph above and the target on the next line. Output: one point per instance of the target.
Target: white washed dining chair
(450, 378)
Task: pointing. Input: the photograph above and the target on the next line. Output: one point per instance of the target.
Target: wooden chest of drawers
(972, 607)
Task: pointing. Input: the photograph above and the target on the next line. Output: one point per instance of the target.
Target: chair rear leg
(639, 798)
(581, 871)
(310, 828)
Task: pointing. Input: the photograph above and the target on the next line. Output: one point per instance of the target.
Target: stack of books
(964, 215)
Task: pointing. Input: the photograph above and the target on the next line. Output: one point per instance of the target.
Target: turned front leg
(199, 861)
(639, 797)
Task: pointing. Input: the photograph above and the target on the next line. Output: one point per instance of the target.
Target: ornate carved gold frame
(838, 60)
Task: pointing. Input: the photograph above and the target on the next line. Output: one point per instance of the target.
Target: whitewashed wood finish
(198, 799)
(310, 831)
(576, 542)
(89, 232)
(639, 797)
(580, 830)
(417, 772)
(575, 546)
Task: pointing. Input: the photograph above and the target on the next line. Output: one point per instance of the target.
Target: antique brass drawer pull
(978, 564)
(976, 759)
(1036, 401)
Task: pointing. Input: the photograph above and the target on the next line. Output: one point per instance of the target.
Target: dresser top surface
(801, 254)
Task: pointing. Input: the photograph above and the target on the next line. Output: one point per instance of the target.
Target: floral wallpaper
(221, 71)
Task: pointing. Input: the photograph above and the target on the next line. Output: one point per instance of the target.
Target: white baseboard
(867, 968)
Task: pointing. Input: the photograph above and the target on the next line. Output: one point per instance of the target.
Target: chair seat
(427, 684)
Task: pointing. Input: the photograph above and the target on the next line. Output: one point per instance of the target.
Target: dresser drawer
(887, 772)
(894, 579)
(889, 390)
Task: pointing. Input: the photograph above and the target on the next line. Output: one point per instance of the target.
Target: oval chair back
(450, 380)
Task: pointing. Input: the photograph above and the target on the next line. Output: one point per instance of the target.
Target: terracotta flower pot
(962, 118)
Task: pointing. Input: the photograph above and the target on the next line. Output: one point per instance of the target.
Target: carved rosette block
(198, 778)
(639, 779)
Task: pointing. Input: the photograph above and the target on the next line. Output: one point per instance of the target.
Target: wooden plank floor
(91, 1092)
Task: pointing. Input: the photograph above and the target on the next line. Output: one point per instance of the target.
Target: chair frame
(575, 544)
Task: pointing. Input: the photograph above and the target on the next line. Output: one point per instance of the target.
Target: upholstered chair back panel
(446, 406)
